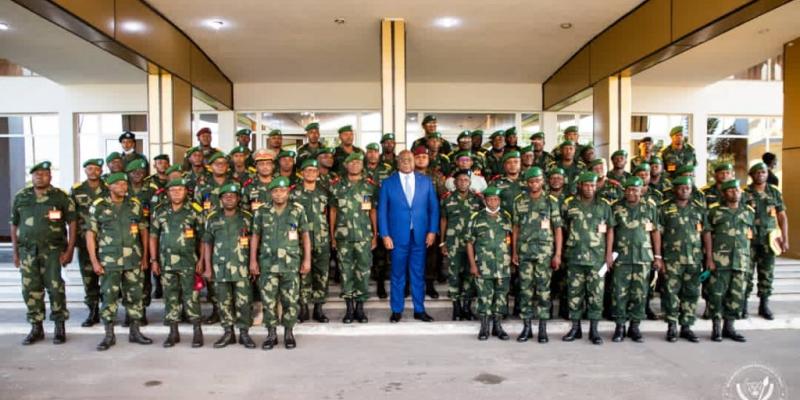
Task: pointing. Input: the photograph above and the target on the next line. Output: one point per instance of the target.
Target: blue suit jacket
(395, 215)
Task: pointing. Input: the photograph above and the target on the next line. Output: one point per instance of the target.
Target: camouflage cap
(244, 132)
(313, 125)
(633, 181)
(93, 161)
(641, 167)
(138, 163)
(759, 166)
(387, 136)
(589, 177)
(176, 182)
(44, 165)
(279, 182)
(232, 187)
(116, 177)
(354, 156)
(491, 191)
(309, 163)
(723, 166)
(730, 184)
(532, 172)
(510, 154)
(374, 146)
(346, 128)
(682, 180)
(216, 156)
(113, 156)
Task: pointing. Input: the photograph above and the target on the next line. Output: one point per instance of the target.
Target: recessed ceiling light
(763, 31)
(215, 24)
(132, 26)
(566, 25)
(4, 26)
(339, 21)
(447, 22)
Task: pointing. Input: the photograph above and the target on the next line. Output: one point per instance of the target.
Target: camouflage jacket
(353, 202)
(674, 159)
(456, 209)
(491, 240)
(179, 233)
(587, 225)
(42, 220)
(229, 238)
(731, 231)
(117, 228)
(254, 195)
(537, 219)
(83, 196)
(510, 189)
(681, 231)
(207, 194)
(633, 224)
(767, 205)
(315, 203)
(280, 235)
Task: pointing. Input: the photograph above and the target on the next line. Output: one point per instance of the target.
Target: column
(790, 181)
(612, 115)
(169, 103)
(393, 78)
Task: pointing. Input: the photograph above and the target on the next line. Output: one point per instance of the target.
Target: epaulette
(445, 157)
(606, 200)
(135, 200)
(706, 188)
(77, 185)
(554, 198)
(387, 165)
(63, 191)
(197, 207)
(664, 202)
(508, 214)
(750, 207)
(154, 186)
(245, 212)
(652, 202)
(473, 215)
(211, 214)
(698, 203)
(568, 200)
(251, 170)
(299, 206)
(713, 205)
(98, 201)
(519, 196)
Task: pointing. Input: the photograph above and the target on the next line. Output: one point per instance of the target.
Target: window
(742, 141)
(26, 140)
(450, 124)
(367, 126)
(584, 122)
(98, 134)
(657, 127)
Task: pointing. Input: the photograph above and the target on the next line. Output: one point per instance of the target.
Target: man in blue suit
(408, 221)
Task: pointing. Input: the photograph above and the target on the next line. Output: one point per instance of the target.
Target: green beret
(173, 168)
(387, 136)
(354, 156)
(491, 191)
(685, 169)
(113, 156)
(244, 132)
(595, 162)
(555, 171)
(511, 131)
(428, 118)
(477, 132)
(232, 187)
(192, 150)
(642, 167)
(93, 161)
(682, 180)
(463, 153)
(434, 135)
(538, 135)
(511, 154)
(730, 184)
(723, 166)
(116, 177)
(587, 177)
(374, 146)
(678, 130)
(496, 134)
(656, 160)
(532, 172)
(237, 150)
(216, 156)
(633, 181)
(526, 149)
(161, 157)
(463, 135)
(309, 163)
(620, 152)
(127, 135)
(138, 163)
(279, 182)
(567, 143)
(286, 153)
(44, 165)
(759, 166)
(313, 125)
(275, 132)
(346, 128)
(586, 148)
(571, 129)
(325, 150)
(176, 182)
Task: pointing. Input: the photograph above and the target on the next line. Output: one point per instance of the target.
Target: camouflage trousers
(584, 290)
(492, 296)
(179, 291)
(630, 291)
(279, 287)
(460, 283)
(558, 285)
(681, 292)
(122, 284)
(234, 304)
(41, 270)
(534, 293)
(314, 285)
(355, 259)
(726, 294)
(91, 282)
(763, 265)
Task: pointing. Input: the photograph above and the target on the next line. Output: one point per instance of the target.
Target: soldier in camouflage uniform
(160, 178)
(83, 194)
(325, 164)
(160, 196)
(488, 252)
(726, 239)
(387, 150)
(681, 222)
(607, 188)
(494, 156)
(286, 167)
(570, 165)
(344, 149)
(240, 171)
(116, 242)
(275, 140)
(678, 153)
(658, 179)
(637, 240)
(315, 201)
(280, 228)
(374, 168)
(654, 197)
(510, 139)
(254, 192)
(243, 137)
(510, 186)
(558, 286)
(618, 160)
(197, 174)
(536, 248)
(114, 164)
(541, 158)
(175, 234)
(645, 152)
(308, 151)
(456, 209)
(204, 148)
(137, 189)
(226, 256)
(588, 243)
(378, 171)
(439, 163)
(40, 216)
(770, 214)
(713, 190)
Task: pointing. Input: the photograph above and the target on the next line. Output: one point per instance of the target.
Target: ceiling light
(339, 21)
(4, 26)
(215, 24)
(132, 26)
(566, 25)
(763, 31)
(447, 22)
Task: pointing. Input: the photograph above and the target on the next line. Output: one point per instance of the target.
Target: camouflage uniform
(339, 156)
(279, 258)
(731, 231)
(491, 239)
(510, 189)
(305, 152)
(229, 238)
(254, 195)
(195, 179)
(83, 196)
(537, 221)
(621, 177)
(767, 205)
(543, 160)
(380, 256)
(674, 159)
(456, 210)
(493, 165)
(207, 195)
(611, 191)
(379, 173)
(353, 202)
(571, 173)
(42, 224)
(145, 195)
(243, 176)
(314, 285)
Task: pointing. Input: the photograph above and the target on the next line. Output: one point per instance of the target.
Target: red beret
(204, 130)
(420, 150)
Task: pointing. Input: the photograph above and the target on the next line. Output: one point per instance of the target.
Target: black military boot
(542, 338)
(497, 330)
(348, 314)
(158, 293)
(213, 318)
(60, 333)
(648, 311)
(619, 333)
(686, 333)
(466, 311)
(135, 335)
(174, 336)
(594, 335)
(382, 289)
(745, 312)
(92, 318)
(457, 310)
(127, 322)
(763, 309)
(36, 334)
(144, 321)
(319, 316)
(303, 315)
(574, 332)
(288, 338)
(109, 339)
(526, 331)
(728, 331)
(483, 334)
(634, 333)
(245, 339)
(272, 339)
(430, 289)
(716, 332)
(197, 335)
(228, 337)
(672, 332)
(360, 315)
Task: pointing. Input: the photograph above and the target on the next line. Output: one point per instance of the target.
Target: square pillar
(791, 142)
(169, 104)
(393, 79)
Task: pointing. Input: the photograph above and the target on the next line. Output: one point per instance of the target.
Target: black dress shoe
(430, 290)
(423, 316)
(395, 317)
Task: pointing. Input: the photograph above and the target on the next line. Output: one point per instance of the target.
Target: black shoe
(594, 336)
(135, 335)
(395, 317)
(619, 333)
(716, 332)
(360, 315)
(92, 318)
(382, 289)
(348, 315)
(483, 334)
(127, 322)
(245, 339)
(526, 331)
(109, 339)
(763, 309)
(672, 332)
(60, 333)
(430, 290)
(497, 330)
(213, 318)
(648, 311)
(173, 337)
(272, 339)
(574, 332)
(158, 293)
(319, 316)
(143, 321)
(197, 335)
(634, 333)
(542, 337)
(728, 331)
(288, 339)
(745, 312)
(466, 311)
(423, 316)
(302, 316)
(227, 338)
(686, 333)
(457, 313)
(36, 334)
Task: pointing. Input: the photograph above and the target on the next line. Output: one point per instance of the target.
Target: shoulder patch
(606, 200)
(245, 212)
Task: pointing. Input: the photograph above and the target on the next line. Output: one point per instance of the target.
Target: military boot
(360, 315)
(319, 316)
(214, 317)
(348, 314)
(526, 331)
(466, 311)
(456, 310)
(728, 331)
(672, 332)
(497, 330)
(144, 321)
(197, 335)
(483, 334)
(228, 337)
(135, 335)
(686, 333)
(382, 289)
(272, 339)
(634, 333)
(430, 289)
(716, 332)
(36, 334)
(92, 318)
(648, 311)
(619, 333)
(245, 339)
(574, 332)
(302, 316)
(763, 309)
(127, 322)
(594, 335)
(60, 333)
(542, 337)
(109, 339)
(174, 336)
(288, 338)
